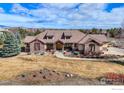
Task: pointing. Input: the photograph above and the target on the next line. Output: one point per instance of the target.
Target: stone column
(45, 47)
(25, 47)
(54, 46)
(73, 46)
(63, 48)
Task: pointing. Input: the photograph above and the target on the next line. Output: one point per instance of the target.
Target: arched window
(92, 47)
(36, 46)
(27, 48)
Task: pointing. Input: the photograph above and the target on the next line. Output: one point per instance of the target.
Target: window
(27, 47)
(48, 37)
(67, 37)
(36, 46)
(45, 37)
(64, 36)
(68, 45)
(92, 47)
(49, 46)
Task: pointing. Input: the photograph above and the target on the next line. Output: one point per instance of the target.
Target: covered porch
(65, 46)
(60, 46)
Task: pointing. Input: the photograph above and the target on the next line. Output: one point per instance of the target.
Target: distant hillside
(3, 26)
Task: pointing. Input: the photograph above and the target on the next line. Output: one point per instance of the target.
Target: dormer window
(49, 36)
(66, 35)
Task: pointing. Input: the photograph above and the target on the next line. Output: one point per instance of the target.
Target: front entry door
(59, 45)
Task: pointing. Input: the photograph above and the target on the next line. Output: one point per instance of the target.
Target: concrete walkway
(60, 55)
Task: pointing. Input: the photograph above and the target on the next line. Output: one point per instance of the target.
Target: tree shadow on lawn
(117, 62)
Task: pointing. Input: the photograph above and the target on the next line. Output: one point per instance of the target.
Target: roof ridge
(83, 37)
(99, 41)
(95, 38)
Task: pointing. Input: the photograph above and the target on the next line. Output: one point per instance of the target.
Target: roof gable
(92, 40)
(29, 39)
(97, 38)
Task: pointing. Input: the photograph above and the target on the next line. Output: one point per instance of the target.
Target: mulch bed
(43, 76)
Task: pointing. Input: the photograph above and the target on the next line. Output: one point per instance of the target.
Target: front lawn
(13, 66)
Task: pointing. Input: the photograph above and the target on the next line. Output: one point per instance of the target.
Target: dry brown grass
(13, 66)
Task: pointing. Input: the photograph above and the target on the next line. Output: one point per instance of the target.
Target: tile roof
(100, 37)
(29, 39)
(50, 33)
(67, 33)
(76, 37)
(96, 37)
(58, 36)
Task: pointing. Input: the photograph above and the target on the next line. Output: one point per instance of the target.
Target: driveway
(60, 55)
(114, 51)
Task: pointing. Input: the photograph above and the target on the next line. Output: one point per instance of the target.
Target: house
(120, 34)
(64, 39)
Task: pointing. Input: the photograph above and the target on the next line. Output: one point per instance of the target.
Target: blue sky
(67, 16)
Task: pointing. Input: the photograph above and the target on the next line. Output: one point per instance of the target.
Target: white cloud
(91, 6)
(91, 10)
(43, 13)
(14, 20)
(68, 14)
(63, 15)
(61, 6)
(18, 9)
(1, 10)
(96, 14)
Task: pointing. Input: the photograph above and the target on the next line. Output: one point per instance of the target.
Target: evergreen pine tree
(11, 45)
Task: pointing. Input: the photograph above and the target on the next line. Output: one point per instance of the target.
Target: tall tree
(113, 32)
(37, 32)
(22, 32)
(94, 31)
(100, 31)
(81, 30)
(11, 45)
(1, 39)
